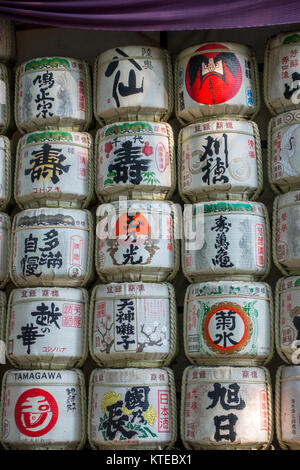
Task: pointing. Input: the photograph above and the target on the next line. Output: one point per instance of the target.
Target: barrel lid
(289, 372)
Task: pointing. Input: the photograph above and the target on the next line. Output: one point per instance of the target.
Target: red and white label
(164, 419)
(36, 412)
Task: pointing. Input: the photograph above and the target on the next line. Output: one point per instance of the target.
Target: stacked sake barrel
(281, 94)
(7, 57)
(43, 403)
(133, 324)
(228, 311)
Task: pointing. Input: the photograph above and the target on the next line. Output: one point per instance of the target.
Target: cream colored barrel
(287, 328)
(283, 152)
(54, 169)
(6, 106)
(133, 324)
(52, 247)
(226, 239)
(135, 159)
(286, 247)
(47, 328)
(282, 72)
(53, 93)
(43, 410)
(133, 83)
(7, 41)
(6, 171)
(228, 323)
(144, 400)
(287, 403)
(220, 159)
(216, 78)
(137, 240)
(226, 408)
(5, 235)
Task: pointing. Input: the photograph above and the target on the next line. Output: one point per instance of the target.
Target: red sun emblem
(213, 77)
(36, 412)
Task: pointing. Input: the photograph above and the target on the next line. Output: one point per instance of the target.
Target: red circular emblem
(227, 328)
(213, 77)
(36, 412)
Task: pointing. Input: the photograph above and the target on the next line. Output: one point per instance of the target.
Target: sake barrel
(133, 83)
(6, 165)
(286, 246)
(47, 327)
(226, 408)
(133, 324)
(7, 41)
(135, 159)
(54, 169)
(53, 93)
(144, 400)
(43, 410)
(226, 239)
(284, 152)
(5, 234)
(216, 78)
(2, 327)
(52, 247)
(228, 322)
(220, 159)
(287, 402)
(287, 311)
(6, 107)
(282, 72)
(137, 241)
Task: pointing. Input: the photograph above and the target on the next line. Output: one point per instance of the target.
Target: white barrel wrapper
(43, 410)
(226, 408)
(284, 151)
(53, 93)
(54, 168)
(135, 159)
(220, 159)
(133, 83)
(7, 41)
(282, 72)
(132, 409)
(52, 247)
(5, 99)
(215, 79)
(235, 242)
(287, 320)
(133, 324)
(6, 165)
(286, 246)
(137, 241)
(228, 322)
(47, 328)
(288, 407)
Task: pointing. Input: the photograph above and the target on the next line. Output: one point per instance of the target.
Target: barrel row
(136, 82)
(221, 408)
(136, 324)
